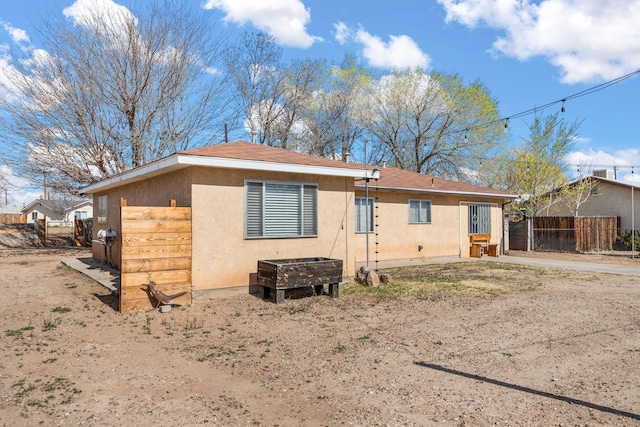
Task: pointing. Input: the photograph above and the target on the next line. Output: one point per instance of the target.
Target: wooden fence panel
(156, 246)
(596, 233)
(575, 234)
(7, 218)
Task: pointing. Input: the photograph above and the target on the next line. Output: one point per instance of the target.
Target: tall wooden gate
(156, 245)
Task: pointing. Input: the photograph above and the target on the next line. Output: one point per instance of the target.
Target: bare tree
(112, 91)
(258, 81)
(331, 124)
(302, 80)
(4, 186)
(577, 193)
(433, 124)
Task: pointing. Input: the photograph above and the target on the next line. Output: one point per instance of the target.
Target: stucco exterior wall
(397, 239)
(222, 257)
(609, 200)
(156, 191)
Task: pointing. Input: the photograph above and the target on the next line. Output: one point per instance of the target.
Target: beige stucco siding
(398, 239)
(223, 257)
(157, 191)
(394, 238)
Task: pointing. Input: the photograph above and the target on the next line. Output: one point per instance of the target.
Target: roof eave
(437, 191)
(31, 205)
(179, 161)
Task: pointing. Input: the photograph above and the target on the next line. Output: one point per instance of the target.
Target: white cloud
(87, 12)
(285, 20)
(590, 159)
(400, 52)
(343, 32)
(17, 35)
(589, 40)
(20, 192)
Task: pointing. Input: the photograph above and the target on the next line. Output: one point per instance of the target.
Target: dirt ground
(563, 350)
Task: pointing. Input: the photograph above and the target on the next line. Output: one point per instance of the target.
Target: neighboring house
(608, 197)
(80, 210)
(252, 202)
(58, 211)
(43, 209)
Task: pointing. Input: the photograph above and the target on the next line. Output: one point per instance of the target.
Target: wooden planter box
(276, 276)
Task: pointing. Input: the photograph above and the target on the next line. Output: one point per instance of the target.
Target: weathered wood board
(283, 274)
(156, 246)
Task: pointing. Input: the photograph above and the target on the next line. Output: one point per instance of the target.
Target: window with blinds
(276, 209)
(419, 212)
(364, 214)
(479, 219)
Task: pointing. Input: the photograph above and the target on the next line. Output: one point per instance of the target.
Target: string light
(585, 92)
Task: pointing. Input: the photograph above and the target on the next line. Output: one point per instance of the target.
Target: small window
(34, 215)
(419, 212)
(479, 219)
(103, 207)
(80, 214)
(279, 209)
(364, 215)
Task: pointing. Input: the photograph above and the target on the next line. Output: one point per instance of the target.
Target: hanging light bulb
(562, 109)
(506, 123)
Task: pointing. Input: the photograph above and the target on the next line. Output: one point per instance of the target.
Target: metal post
(366, 219)
(633, 225)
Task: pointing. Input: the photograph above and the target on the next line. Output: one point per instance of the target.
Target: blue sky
(528, 53)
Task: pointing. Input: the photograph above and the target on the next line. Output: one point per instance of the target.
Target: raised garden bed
(278, 275)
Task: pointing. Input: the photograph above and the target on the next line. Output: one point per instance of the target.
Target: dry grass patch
(435, 281)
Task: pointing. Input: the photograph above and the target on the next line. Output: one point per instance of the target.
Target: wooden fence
(82, 232)
(575, 234)
(156, 246)
(7, 218)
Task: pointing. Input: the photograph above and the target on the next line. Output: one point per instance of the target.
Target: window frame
(481, 225)
(358, 226)
(102, 211)
(420, 202)
(307, 199)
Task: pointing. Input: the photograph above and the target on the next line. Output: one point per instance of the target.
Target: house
(608, 198)
(60, 212)
(251, 202)
(82, 209)
(50, 210)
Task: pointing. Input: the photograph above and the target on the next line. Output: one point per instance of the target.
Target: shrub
(623, 241)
